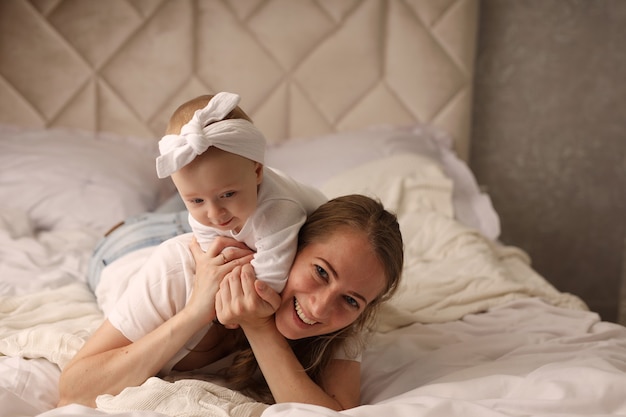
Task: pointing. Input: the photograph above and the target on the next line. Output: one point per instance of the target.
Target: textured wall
(549, 137)
(302, 68)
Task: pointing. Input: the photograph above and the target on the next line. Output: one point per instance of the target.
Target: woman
(349, 260)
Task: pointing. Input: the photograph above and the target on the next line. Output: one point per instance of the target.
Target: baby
(215, 155)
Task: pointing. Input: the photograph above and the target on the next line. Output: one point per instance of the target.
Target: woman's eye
(321, 272)
(352, 302)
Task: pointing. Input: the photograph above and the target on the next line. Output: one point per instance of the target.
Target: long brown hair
(357, 212)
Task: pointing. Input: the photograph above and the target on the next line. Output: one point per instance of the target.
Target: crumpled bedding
(450, 269)
(182, 397)
(523, 358)
(452, 275)
(34, 259)
(51, 324)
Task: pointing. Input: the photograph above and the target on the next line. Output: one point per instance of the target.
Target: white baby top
(158, 291)
(283, 205)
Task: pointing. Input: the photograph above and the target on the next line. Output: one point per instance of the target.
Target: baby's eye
(229, 194)
(321, 272)
(352, 302)
(196, 201)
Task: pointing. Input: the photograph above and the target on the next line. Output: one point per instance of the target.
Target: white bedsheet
(474, 330)
(32, 260)
(519, 359)
(525, 358)
(450, 269)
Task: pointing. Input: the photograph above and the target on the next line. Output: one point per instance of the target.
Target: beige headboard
(302, 67)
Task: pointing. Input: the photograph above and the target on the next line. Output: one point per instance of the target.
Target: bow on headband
(237, 136)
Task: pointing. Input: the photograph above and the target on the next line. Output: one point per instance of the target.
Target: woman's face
(330, 284)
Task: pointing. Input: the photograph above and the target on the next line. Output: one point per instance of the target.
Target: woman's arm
(289, 382)
(109, 362)
(245, 301)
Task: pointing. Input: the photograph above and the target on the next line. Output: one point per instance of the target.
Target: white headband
(237, 136)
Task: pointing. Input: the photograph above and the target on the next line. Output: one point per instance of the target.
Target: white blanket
(185, 397)
(451, 272)
(32, 259)
(524, 358)
(54, 321)
(51, 324)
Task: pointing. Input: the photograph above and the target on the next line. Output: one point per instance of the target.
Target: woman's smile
(328, 287)
(301, 314)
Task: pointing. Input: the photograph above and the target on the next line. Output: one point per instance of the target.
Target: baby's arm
(277, 228)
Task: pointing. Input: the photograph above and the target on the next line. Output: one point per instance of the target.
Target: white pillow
(404, 183)
(316, 160)
(74, 179)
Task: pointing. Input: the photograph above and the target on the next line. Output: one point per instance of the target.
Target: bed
(367, 96)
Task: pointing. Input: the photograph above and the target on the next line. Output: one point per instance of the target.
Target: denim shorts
(148, 229)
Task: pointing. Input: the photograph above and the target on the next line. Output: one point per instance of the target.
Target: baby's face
(220, 188)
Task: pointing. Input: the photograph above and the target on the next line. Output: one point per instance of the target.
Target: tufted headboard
(302, 67)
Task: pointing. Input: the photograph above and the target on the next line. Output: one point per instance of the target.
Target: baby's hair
(185, 112)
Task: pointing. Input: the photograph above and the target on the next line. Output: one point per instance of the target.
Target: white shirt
(163, 284)
(283, 205)
(158, 291)
(155, 293)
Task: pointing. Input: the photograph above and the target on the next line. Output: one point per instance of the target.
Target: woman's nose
(322, 305)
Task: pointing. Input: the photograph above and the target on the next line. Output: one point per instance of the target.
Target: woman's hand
(223, 256)
(243, 300)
